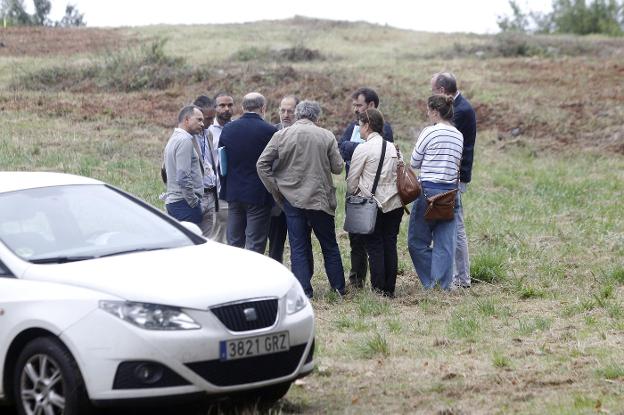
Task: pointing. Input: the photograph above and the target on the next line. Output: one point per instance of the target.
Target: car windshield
(76, 222)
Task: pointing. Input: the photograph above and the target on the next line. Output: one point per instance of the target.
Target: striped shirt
(438, 153)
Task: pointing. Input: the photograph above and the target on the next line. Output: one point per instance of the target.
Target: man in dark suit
(248, 200)
(362, 99)
(465, 121)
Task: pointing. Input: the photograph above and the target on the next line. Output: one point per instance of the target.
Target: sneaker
(461, 285)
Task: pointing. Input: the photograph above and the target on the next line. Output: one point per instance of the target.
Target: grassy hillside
(543, 334)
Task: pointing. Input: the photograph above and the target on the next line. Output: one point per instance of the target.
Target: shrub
(127, 70)
(298, 53)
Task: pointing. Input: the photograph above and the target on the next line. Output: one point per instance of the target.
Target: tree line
(568, 16)
(13, 13)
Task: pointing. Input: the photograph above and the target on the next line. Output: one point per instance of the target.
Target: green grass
(463, 327)
(376, 345)
(611, 371)
(500, 361)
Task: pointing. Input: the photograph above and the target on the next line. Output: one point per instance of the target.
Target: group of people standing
(246, 182)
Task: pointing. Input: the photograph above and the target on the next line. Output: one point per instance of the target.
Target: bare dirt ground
(40, 41)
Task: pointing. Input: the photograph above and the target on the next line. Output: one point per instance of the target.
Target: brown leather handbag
(441, 206)
(407, 182)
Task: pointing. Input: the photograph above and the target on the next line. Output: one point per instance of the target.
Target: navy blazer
(244, 140)
(347, 147)
(465, 121)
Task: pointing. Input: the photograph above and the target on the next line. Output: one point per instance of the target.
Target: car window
(81, 221)
(4, 271)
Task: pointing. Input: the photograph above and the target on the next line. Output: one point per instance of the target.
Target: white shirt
(215, 129)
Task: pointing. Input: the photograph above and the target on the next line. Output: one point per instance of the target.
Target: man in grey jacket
(184, 168)
(296, 167)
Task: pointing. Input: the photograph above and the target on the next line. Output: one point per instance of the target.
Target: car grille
(251, 369)
(234, 318)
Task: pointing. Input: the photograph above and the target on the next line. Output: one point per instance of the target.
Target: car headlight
(150, 316)
(296, 299)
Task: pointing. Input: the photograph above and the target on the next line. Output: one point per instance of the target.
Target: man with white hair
(296, 167)
(249, 203)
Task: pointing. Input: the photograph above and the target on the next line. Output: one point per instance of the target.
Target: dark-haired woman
(381, 245)
(437, 154)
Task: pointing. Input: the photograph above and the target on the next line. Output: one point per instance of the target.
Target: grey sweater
(183, 169)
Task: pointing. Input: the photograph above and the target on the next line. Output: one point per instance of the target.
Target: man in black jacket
(362, 99)
(465, 121)
(249, 202)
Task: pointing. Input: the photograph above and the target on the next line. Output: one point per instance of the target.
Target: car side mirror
(192, 227)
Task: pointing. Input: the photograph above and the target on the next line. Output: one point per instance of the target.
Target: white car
(106, 300)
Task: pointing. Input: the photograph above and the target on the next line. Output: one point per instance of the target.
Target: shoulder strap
(381, 160)
(208, 137)
(198, 151)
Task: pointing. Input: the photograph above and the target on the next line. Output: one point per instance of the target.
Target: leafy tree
(569, 16)
(518, 23)
(13, 13)
(42, 10)
(72, 18)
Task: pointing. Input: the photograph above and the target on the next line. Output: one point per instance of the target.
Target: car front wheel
(47, 380)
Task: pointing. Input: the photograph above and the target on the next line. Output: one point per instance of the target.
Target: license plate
(254, 346)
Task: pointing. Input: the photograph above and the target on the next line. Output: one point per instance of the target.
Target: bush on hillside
(127, 70)
(517, 44)
(298, 53)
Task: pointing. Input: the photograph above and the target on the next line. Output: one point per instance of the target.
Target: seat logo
(250, 314)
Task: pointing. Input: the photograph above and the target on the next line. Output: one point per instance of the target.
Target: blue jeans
(277, 237)
(462, 260)
(182, 211)
(433, 264)
(299, 222)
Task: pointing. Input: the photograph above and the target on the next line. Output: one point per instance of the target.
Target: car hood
(197, 276)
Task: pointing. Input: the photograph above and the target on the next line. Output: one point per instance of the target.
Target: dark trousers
(248, 225)
(277, 237)
(381, 246)
(359, 261)
(182, 211)
(299, 222)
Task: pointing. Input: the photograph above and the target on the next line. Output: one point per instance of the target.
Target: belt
(209, 189)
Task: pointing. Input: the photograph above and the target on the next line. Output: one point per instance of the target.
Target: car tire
(264, 398)
(46, 379)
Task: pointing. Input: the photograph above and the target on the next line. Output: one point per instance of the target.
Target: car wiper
(132, 251)
(61, 259)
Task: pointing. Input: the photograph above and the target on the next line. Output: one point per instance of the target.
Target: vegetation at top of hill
(535, 85)
(568, 16)
(12, 13)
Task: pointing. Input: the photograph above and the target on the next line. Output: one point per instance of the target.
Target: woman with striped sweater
(437, 155)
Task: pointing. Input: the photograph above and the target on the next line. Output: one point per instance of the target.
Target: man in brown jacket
(296, 167)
